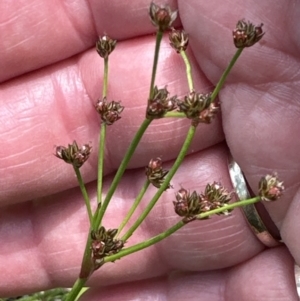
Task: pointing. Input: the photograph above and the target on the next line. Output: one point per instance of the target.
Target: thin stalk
(159, 36)
(225, 74)
(102, 138)
(229, 207)
(105, 78)
(85, 195)
(134, 206)
(175, 114)
(78, 285)
(86, 265)
(121, 170)
(165, 234)
(165, 184)
(101, 162)
(188, 69)
(82, 291)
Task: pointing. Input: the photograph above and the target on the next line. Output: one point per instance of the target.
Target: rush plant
(104, 245)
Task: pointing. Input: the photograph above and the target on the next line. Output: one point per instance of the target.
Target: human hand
(51, 77)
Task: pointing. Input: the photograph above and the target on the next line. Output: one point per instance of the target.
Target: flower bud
(179, 40)
(161, 16)
(160, 103)
(73, 154)
(105, 46)
(187, 204)
(155, 173)
(103, 244)
(270, 188)
(246, 34)
(109, 111)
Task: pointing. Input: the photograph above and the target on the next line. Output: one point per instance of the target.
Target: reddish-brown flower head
(162, 16)
(155, 173)
(198, 107)
(105, 46)
(104, 244)
(270, 188)
(187, 204)
(246, 34)
(109, 111)
(160, 103)
(179, 40)
(73, 154)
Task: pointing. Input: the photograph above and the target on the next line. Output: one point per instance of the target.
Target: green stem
(165, 234)
(165, 184)
(85, 195)
(101, 163)
(225, 74)
(134, 206)
(105, 78)
(159, 36)
(121, 170)
(78, 285)
(86, 265)
(188, 70)
(229, 207)
(145, 244)
(102, 137)
(175, 114)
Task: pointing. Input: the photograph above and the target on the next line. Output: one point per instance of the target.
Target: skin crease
(50, 77)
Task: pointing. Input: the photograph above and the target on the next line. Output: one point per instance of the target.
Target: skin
(50, 78)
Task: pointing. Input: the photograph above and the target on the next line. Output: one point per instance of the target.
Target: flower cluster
(73, 154)
(160, 103)
(105, 46)
(109, 111)
(179, 40)
(189, 204)
(198, 107)
(270, 188)
(104, 244)
(155, 173)
(246, 34)
(162, 16)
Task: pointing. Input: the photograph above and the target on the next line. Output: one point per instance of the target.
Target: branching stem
(188, 70)
(166, 182)
(165, 234)
(84, 194)
(225, 74)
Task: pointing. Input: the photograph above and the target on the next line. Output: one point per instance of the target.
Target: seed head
(207, 115)
(160, 103)
(162, 16)
(155, 173)
(179, 40)
(198, 107)
(270, 188)
(104, 244)
(73, 154)
(246, 34)
(193, 104)
(105, 46)
(109, 111)
(187, 204)
(215, 196)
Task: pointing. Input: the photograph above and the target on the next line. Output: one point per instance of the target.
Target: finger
(56, 106)
(259, 102)
(49, 235)
(268, 276)
(40, 33)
